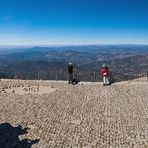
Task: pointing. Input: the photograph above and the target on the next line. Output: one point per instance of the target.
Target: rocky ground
(51, 114)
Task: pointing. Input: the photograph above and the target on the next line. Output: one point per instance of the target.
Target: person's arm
(72, 69)
(68, 68)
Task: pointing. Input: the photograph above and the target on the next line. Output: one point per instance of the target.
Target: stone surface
(78, 116)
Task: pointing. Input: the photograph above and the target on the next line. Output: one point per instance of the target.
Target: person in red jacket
(105, 75)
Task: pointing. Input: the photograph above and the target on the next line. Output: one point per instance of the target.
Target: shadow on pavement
(9, 137)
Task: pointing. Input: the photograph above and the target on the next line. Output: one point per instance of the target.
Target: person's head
(70, 63)
(104, 65)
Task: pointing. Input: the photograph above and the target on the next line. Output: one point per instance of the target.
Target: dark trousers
(70, 78)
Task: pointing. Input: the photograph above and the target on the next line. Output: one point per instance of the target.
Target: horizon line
(64, 45)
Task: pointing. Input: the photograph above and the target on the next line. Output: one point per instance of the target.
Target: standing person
(70, 73)
(105, 75)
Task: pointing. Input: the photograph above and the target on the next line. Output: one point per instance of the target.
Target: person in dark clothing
(70, 73)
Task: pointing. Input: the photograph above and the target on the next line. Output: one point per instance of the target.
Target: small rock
(78, 122)
(6, 87)
(31, 127)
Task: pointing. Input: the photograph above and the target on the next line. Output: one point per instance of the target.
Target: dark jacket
(70, 68)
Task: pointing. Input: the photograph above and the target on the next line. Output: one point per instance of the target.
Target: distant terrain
(31, 60)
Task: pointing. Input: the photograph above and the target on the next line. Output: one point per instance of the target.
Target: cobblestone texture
(86, 115)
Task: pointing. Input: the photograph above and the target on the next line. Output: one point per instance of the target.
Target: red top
(104, 72)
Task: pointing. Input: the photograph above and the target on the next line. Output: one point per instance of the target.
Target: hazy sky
(46, 22)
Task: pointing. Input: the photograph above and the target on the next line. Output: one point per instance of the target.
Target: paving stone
(78, 116)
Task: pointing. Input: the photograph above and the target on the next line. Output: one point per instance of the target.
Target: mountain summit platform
(55, 114)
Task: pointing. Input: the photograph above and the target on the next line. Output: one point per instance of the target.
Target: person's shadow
(9, 137)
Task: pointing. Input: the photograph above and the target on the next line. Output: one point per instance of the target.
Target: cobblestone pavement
(87, 115)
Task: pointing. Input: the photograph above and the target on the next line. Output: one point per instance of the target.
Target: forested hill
(119, 58)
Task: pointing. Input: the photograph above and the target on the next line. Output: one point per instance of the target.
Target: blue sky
(52, 22)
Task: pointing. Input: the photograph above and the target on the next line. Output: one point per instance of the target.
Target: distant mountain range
(119, 58)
